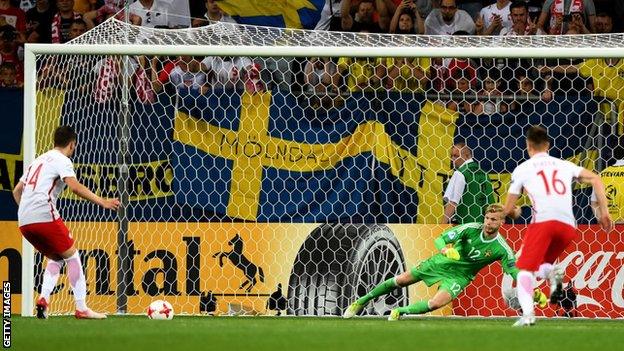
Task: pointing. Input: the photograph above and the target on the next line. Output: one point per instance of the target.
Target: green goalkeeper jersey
(475, 251)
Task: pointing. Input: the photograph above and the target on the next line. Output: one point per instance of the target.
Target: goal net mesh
(256, 184)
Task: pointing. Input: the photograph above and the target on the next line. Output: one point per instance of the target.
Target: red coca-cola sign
(594, 267)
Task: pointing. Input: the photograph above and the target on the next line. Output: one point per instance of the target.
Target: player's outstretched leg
(381, 289)
(79, 287)
(441, 298)
(415, 308)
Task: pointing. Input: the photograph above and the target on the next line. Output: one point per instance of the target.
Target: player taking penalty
(548, 183)
(463, 251)
(40, 222)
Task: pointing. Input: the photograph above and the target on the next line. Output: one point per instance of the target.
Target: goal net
(264, 170)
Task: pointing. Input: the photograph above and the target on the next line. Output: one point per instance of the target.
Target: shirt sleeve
(508, 261)
(515, 187)
(546, 7)
(453, 234)
(590, 8)
(66, 169)
(455, 188)
(576, 170)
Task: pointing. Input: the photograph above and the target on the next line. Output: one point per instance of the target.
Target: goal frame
(30, 80)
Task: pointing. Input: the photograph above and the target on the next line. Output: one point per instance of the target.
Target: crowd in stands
(481, 83)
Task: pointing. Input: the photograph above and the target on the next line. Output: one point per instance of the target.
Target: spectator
(187, 73)
(462, 94)
(424, 7)
(613, 178)
(606, 76)
(466, 66)
(526, 91)
(407, 20)
(39, 22)
(152, 13)
(14, 17)
(331, 18)
(214, 14)
(522, 24)
(577, 25)
(321, 74)
(371, 15)
(10, 51)
(321, 79)
(108, 9)
(226, 72)
(62, 20)
(494, 18)
(472, 7)
(604, 23)
(361, 73)
(561, 18)
(8, 76)
(448, 20)
(491, 89)
(406, 74)
(84, 6)
(469, 190)
(77, 28)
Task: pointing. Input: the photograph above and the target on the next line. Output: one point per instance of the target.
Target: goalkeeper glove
(450, 253)
(540, 298)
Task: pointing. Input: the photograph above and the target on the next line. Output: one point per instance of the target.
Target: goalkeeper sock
(381, 289)
(544, 271)
(524, 289)
(77, 281)
(50, 277)
(415, 308)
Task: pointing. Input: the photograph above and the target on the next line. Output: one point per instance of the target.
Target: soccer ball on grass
(160, 309)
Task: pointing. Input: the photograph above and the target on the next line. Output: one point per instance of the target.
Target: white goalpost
(256, 175)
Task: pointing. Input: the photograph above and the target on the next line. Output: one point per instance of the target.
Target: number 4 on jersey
(557, 184)
(34, 177)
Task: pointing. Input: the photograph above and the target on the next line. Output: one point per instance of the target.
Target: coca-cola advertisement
(594, 278)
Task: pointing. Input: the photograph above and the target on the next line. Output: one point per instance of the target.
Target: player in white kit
(548, 182)
(40, 222)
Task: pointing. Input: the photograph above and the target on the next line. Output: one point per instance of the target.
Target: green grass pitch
(289, 333)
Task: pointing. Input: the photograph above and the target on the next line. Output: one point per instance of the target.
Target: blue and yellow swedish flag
(275, 13)
(265, 157)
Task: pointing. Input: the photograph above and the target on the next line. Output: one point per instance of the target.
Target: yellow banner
(240, 264)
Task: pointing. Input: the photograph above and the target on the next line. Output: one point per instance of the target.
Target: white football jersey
(548, 183)
(43, 183)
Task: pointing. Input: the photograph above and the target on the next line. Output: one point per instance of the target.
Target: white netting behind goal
(253, 184)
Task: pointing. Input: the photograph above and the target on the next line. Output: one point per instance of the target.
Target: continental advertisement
(306, 269)
(233, 268)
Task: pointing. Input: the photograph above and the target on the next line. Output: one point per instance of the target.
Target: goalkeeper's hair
(494, 208)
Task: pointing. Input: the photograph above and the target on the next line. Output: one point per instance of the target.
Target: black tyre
(339, 262)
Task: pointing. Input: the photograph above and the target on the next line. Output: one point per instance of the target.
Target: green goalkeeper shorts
(430, 272)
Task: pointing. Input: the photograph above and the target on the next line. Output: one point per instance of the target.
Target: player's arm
(82, 191)
(17, 192)
(602, 212)
(449, 236)
(515, 189)
(452, 195)
(511, 209)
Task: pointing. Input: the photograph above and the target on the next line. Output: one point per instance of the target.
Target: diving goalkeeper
(474, 246)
